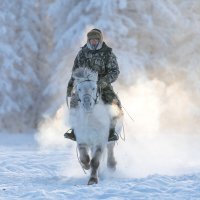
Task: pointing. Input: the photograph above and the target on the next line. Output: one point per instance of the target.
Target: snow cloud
(164, 136)
(50, 134)
(157, 46)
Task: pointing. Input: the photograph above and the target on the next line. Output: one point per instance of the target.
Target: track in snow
(28, 173)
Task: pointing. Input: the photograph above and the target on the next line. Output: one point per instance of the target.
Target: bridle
(97, 93)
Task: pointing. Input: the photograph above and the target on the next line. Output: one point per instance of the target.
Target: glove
(102, 84)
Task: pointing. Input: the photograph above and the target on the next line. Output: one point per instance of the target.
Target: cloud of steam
(164, 137)
(163, 97)
(51, 131)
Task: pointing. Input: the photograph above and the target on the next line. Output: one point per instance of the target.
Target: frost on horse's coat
(91, 123)
(82, 74)
(91, 128)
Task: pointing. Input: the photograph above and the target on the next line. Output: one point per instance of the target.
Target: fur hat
(95, 34)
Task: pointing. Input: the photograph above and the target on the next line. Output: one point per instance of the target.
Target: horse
(91, 123)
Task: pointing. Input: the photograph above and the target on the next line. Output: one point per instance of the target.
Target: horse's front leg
(111, 162)
(84, 156)
(95, 165)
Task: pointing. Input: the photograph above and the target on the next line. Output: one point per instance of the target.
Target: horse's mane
(83, 74)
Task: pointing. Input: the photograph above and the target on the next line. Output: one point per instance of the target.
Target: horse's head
(86, 87)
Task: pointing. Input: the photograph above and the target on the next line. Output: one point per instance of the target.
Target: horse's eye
(93, 89)
(79, 89)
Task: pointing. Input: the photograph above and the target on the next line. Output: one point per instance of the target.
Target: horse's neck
(99, 113)
(92, 128)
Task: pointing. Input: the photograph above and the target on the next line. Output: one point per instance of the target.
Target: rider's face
(94, 41)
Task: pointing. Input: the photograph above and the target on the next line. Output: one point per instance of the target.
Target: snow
(157, 46)
(29, 172)
(40, 39)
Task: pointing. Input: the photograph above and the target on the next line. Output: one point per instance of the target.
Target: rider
(97, 56)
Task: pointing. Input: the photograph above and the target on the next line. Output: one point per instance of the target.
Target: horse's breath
(91, 123)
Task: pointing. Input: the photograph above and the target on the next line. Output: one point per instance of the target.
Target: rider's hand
(102, 84)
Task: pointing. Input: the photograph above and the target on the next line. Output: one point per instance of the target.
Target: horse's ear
(81, 74)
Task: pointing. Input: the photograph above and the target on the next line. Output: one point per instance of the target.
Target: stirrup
(70, 135)
(113, 136)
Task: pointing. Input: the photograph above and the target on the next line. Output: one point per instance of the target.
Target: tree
(19, 80)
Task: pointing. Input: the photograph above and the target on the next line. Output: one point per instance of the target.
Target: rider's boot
(113, 136)
(70, 135)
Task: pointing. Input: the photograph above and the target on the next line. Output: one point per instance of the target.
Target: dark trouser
(110, 97)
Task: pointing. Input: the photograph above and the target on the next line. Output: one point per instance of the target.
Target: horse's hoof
(92, 181)
(112, 169)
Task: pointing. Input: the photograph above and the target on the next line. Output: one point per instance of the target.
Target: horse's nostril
(86, 99)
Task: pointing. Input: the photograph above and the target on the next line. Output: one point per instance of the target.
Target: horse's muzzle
(88, 102)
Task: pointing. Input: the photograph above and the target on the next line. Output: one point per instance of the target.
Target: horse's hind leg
(111, 162)
(94, 166)
(84, 156)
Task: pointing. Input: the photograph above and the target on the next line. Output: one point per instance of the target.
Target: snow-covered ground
(28, 172)
(157, 44)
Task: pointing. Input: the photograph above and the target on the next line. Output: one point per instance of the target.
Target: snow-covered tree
(72, 20)
(40, 39)
(18, 58)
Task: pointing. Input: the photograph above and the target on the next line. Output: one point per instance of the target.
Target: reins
(124, 137)
(128, 114)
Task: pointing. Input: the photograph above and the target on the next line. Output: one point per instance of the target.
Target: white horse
(91, 123)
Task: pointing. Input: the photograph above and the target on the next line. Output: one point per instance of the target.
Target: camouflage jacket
(103, 61)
